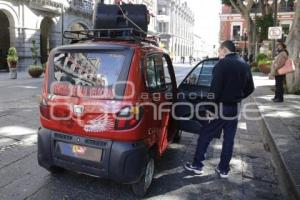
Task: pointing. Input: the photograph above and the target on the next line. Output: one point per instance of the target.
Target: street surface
(252, 175)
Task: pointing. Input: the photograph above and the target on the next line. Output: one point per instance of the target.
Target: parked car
(107, 100)
(90, 127)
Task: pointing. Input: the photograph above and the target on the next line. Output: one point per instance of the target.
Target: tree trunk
(293, 43)
(251, 31)
(266, 9)
(245, 10)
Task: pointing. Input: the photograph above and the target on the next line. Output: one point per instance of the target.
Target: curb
(286, 181)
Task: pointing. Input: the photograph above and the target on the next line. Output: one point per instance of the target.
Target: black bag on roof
(111, 16)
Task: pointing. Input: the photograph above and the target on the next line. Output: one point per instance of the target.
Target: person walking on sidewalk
(279, 61)
(232, 81)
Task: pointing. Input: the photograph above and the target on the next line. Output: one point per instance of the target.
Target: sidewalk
(281, 123)
(252, 174)
(23, 78)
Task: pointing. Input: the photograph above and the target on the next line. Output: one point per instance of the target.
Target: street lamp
(255, 35)
(62, 7)
(275, 5)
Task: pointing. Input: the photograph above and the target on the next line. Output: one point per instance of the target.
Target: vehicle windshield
(88, 74)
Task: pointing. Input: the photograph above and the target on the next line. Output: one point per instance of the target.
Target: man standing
(232, 82)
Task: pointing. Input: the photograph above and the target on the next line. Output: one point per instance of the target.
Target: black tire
(141, 187)
(56, 170)
(177, 136)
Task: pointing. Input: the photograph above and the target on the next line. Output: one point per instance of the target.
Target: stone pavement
(282, 131)
(23, 78)
(252, 176)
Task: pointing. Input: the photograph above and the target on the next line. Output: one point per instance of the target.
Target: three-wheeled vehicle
(106, 106)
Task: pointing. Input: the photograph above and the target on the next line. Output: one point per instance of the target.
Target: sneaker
(277, 100)
(222, 174)
(191, 168)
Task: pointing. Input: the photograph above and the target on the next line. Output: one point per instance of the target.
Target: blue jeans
(213, 128)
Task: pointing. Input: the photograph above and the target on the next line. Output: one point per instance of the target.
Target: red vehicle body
(84, 127)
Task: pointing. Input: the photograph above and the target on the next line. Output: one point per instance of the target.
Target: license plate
(81, 152)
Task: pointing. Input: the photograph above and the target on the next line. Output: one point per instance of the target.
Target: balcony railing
(286, 8)
(83, 6)
(281, 8)
(45, 5)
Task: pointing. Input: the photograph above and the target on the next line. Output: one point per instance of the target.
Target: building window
(285, 30)
(160, 27)
(236, 32)
(163, 27)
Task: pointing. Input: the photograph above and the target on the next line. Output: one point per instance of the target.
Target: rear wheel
(140, 188)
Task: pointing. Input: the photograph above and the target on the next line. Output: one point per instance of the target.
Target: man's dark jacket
(232, 80)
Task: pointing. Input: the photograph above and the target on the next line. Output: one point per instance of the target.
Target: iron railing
(83, 6)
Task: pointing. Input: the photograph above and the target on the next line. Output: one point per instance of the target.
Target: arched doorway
(78, 27)
(46, 41)
(5, 40)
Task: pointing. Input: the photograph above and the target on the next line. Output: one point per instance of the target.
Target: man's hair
(229, 45)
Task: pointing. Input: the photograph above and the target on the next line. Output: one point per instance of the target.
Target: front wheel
(56, 170)
(140, 188)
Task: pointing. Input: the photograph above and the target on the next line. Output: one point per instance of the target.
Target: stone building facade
(233, 26)
(23, 21)
(175, 22)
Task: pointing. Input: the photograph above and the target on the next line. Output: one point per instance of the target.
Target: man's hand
(210, 115)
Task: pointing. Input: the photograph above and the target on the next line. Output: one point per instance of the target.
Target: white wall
(25, 23)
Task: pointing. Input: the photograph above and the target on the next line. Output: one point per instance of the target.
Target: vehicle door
(160, 86)
(193, 95)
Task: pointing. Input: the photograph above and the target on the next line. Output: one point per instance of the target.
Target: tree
(266, 9)
(262, 26)
(244, 7)
(293, 43)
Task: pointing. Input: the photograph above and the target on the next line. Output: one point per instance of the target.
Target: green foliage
(226, 2)
(34, 51)
(261, 56)
(35, 71)
(265, 62)
(297, 90)
(255, 69)
(44, 65)
(254, 64)
(12, 55)
(262, 26)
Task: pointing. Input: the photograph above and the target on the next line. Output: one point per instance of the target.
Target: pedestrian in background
(279, 62)
(191, 59)
(232, 81)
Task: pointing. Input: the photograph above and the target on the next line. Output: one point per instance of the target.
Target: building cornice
(57, 7)
(253, 14)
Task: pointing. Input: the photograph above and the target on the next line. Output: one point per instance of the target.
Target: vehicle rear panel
(89, 110)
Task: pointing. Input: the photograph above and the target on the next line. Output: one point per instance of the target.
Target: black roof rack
(124, 34)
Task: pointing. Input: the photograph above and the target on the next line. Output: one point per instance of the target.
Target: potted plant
(265, 66)
(35, 70)
(12, 61)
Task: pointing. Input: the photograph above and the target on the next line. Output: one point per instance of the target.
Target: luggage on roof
(112, 17)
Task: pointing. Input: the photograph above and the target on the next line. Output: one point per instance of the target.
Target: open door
(192, 94)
